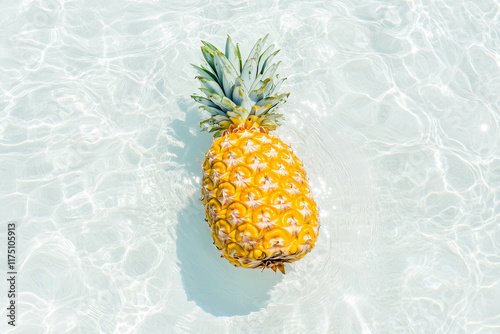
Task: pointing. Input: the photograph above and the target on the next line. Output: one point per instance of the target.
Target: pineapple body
(257, 200)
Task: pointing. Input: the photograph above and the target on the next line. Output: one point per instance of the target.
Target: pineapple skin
(257, 200)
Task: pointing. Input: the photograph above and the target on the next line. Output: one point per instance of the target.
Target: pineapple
(257, 199)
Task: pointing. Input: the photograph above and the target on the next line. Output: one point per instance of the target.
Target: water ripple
(394, 109)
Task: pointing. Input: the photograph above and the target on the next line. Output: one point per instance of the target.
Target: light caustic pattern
(394, 111)
(258, 200)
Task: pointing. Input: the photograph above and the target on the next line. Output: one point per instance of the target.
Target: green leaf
(258, 83)
(219, 118)
(205, 73)
(254, 53)
(271, 121)
(265, 39)
(248, 71)
(221, 61)
(203, 100)
(250, 68)
(257, 94)
(257, 47)
(269, 86)
(240, 97)
(228, 81)
(210, 85)
(223, 102)
(207, 92)
(263, 109)
(239, 112)
(213, 111)
(232, 55)
(264, 56)
(274, 100)
(204, 122)
(239, 58)
(270, 70)
(210, 46)
(254, 110)
(275, 89)
(208, 54)
(267, 61)
(226, 72)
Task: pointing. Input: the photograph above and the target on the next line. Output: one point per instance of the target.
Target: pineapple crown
(237, 93)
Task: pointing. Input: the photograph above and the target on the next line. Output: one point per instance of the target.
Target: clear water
(394, 109)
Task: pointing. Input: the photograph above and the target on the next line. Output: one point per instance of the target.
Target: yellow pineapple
(255, 192)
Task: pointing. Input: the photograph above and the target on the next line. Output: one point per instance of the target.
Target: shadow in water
(195, 142)
(210, 281)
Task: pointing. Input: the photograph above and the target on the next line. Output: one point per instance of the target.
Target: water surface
(394, 109)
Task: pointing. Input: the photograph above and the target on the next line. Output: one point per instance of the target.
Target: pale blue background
(394, 109)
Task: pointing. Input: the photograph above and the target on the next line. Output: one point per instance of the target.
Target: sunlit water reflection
(394, 110)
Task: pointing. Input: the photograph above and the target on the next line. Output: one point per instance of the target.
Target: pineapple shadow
(210, 281)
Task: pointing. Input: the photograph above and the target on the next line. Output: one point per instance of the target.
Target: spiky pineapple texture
(237, 93)
(258, 202)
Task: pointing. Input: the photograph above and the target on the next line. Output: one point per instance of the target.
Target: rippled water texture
(394, 109)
